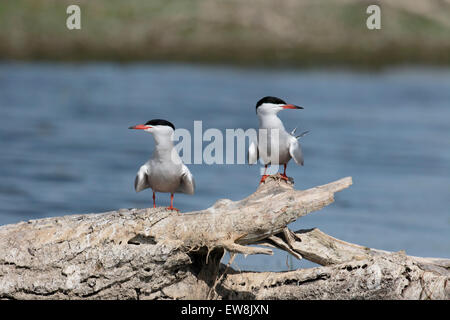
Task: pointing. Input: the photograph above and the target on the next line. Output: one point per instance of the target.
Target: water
(66, 148)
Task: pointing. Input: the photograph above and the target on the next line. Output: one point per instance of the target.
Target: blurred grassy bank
(269, 32)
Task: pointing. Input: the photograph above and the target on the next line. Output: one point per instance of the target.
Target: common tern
(164, 171)
(275, 146)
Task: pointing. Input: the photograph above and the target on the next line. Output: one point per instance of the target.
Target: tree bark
(161, 254)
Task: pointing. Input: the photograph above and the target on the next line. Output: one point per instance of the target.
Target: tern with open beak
(165, 171)
(275, 146)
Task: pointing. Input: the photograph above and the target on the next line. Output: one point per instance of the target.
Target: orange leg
(154, 200)
(171, 203)
(263, 178)
(284, 176)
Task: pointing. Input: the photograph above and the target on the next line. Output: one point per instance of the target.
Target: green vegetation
(285, 32)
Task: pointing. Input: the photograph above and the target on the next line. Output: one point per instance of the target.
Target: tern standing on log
(164, 172)
(275, 145)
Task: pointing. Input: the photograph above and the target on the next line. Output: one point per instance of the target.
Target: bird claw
(172, 208)
(263, 178)
(281, 176)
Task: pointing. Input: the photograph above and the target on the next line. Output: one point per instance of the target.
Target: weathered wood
(234, 224)
(155, 253)
(388, 276)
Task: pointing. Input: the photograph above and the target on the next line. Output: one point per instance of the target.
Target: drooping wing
(252, 153)
(141, 181)
(187, 184)
(295, 151)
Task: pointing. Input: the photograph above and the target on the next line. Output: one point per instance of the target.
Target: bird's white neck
(270, 121)
(163, 145)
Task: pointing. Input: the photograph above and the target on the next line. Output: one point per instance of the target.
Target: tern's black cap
(269, 99)
(160, 122)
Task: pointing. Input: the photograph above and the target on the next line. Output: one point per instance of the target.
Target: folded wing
(187, 184)
(295, 151)
(141, 181)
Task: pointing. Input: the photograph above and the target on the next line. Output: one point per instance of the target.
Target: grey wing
(295, 151)
(252, 153)
(141, 181)
(187, 184)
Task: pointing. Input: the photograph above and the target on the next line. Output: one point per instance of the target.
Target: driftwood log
(161, 254)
